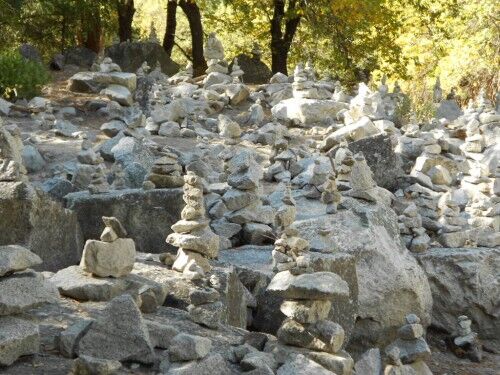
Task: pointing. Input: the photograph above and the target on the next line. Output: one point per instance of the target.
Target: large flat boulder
(465, 282)
(94, 82)
(30, 217)
(307, 111)
(146, 215)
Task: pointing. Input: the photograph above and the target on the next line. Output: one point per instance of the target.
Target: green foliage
(21, 78)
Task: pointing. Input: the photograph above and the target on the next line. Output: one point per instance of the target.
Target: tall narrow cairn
(465, 342)
(307, 294)
(330, 195)
(192, 234)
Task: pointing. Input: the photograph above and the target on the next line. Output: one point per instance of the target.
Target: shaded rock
(57, 187)
(255, 71)
(69, 339)
(379, 153)
(131, 55)
(147, 215)
(369, 363)
(80, 56)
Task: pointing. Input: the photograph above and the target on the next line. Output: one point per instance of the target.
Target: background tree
(126, 11)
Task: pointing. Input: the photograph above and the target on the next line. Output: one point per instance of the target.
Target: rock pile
(192, 234)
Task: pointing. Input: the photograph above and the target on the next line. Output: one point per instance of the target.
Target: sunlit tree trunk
(126, 11)
(193, 14)
(282, 41)
(169, 39)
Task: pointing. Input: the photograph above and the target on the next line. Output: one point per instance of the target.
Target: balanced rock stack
(87, 155)
(474, 141)
(236, 71)
(243, 199)
(465, 343)
(410, 226)
(307, 302)
(411, 344)
(229, 130)
(166, 172)
(314, 187)
(192, 234)
(450, 220)
(330, 195)
(344, 160)
(21, 289)
(98, 184)
(113, 256)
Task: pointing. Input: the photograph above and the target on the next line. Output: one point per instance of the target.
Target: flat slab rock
(317, 285)
(23, 291)
(14, 258)
(17, 338)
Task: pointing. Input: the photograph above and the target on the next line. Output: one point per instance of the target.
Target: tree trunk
(281, 42)
(194, 18)
(169, 39)
(126, 11)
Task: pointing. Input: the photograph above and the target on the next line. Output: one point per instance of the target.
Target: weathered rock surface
(119, 334)
(30, 217)
(17, 338)
(24, 290)
(464, 282)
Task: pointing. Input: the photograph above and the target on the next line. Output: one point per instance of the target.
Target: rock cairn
(330, 195)
(98, 184)
(474, 141)
(410, 227)
(411, 343)
(21, 290)
(166, 172)
(465, 343)
(236, 71)
(205, 307)
(243, 199)
(229, 130)
(113, 255)
(314, 187)
(344, 160)
(192, 234)
(307, 301)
